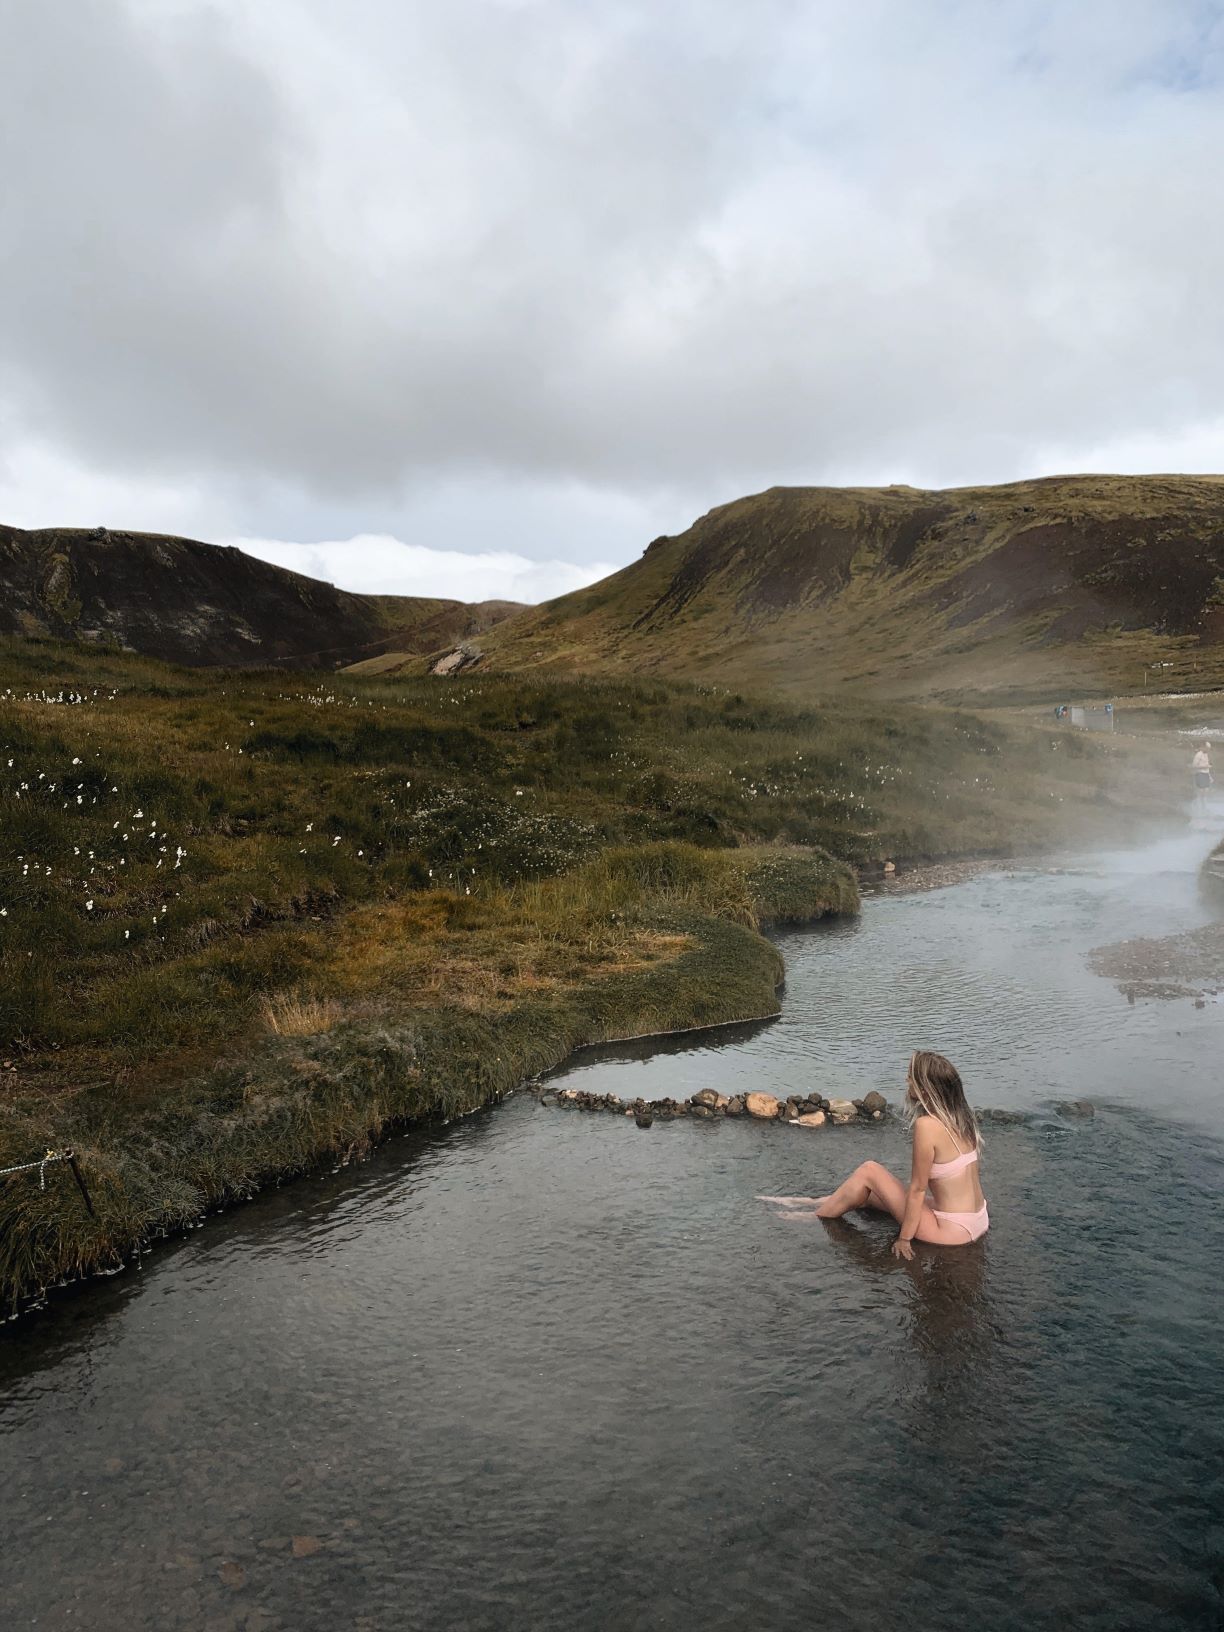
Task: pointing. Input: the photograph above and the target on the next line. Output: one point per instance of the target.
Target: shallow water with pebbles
(546, 1370)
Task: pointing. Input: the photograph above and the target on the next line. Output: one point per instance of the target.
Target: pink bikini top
(958, 1164)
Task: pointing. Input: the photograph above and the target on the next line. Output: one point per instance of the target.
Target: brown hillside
(1068, 584)
(203, 604)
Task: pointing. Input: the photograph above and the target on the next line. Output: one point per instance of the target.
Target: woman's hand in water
(903, 1249)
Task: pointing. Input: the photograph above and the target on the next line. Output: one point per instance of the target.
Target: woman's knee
(869, 1172)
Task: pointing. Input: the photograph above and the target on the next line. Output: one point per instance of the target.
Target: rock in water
(735, 1105)
(706, 1097)
(843, 1110)
(643, 1119)
(764, 1106)
(874, 1102)
(1075, 1107)
(811, 1119)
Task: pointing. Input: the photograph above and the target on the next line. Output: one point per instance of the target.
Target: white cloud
(43, 486)
(544, 277)
(386, 566)
(1193, 450)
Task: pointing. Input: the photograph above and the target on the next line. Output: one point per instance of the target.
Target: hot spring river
(543, 1370)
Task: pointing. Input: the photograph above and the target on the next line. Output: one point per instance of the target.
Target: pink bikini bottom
(973, 1224)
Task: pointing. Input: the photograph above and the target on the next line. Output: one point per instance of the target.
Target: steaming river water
(544, 1370)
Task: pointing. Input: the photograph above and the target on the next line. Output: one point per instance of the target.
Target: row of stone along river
(809, 1112)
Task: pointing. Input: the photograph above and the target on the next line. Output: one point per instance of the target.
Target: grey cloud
(325, 258)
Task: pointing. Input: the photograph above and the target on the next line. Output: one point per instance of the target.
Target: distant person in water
(1201, 765)
(945, 1157)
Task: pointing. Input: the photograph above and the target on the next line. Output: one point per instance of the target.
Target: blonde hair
(936, 1089)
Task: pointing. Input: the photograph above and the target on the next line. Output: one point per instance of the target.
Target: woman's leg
(872, 1185)
(810, 1204)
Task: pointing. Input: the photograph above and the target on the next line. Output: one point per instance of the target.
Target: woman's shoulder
(927, 1128)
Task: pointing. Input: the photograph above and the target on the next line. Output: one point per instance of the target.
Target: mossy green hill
(1063, 586)
(208, 604)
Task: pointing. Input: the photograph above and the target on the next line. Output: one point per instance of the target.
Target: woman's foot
(793, 1207)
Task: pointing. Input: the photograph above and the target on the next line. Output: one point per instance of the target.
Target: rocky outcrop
(464, 656)
(206, 604)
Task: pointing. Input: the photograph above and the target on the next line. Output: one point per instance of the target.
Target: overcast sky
(476, 297)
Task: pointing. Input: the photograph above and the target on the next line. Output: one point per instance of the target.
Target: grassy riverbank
(247, 921)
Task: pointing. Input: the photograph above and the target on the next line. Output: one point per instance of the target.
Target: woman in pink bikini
(946, 1145)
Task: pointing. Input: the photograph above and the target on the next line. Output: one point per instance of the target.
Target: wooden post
(76, 1173)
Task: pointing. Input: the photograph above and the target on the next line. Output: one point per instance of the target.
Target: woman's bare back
(958, 1192)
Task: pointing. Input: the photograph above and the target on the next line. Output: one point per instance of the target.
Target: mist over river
(544, 1370)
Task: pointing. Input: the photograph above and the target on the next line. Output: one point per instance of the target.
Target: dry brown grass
(289, 1014)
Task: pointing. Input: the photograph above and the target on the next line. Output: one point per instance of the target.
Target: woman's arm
(920, 1172)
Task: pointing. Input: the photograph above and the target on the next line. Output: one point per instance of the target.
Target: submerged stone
(764, 1106)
